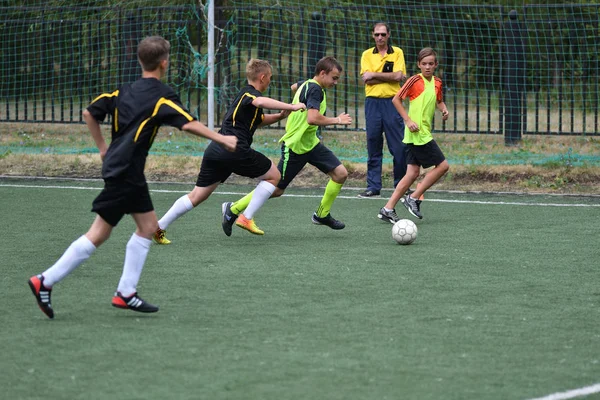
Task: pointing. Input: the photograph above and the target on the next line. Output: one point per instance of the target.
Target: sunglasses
(380, 34)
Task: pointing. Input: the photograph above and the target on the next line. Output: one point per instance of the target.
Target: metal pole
(211, 64)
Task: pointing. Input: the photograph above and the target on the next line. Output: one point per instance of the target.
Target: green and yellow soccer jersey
(423, 95)
(300, 136)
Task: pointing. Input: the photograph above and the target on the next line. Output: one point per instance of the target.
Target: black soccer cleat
(42, 294)
(133, 302)
(413, 206)
(228, 217)
(329, 221)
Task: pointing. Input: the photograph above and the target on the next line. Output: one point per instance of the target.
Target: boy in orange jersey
(425, 93)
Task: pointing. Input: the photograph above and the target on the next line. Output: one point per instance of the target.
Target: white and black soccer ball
(404, 231)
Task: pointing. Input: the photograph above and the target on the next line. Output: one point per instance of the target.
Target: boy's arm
(442, 107)
(269, 119)
(397, 102)
(94, 127)
(272, 104)
(199, 129)
(314, 117)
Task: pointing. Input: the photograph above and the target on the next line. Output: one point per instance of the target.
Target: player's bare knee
(412, 175)
(277, 193)
(444, 167)
(339, 174)
(273, 177)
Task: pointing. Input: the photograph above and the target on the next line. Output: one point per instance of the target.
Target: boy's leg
(322, 216)
(135, 256)
(239, 206)
(182, 206)
(263, 191)
(79, 251)
(412, 173)
(431, 178)
(331, 192)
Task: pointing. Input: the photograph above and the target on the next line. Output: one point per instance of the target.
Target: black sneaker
(328, 221)
(228, 217)
(388, 216)
(42, 294)
(369, 193)
(133, 302)
(413, 206)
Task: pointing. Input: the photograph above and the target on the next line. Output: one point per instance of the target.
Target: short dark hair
(151, 51)
(327, 64)
(426, 52)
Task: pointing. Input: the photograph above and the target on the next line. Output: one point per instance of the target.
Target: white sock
(79, 251)
(135, 257)
(263, 191)
(180, 207)
(387, 209)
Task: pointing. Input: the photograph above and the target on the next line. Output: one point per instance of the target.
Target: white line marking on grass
(314, 196)
(571, 394)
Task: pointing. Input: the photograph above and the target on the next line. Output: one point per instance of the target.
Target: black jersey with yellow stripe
(243, 118)
(137, 110)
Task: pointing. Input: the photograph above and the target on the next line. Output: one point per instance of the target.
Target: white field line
(509, 203)
(357, 189)
(572, 394)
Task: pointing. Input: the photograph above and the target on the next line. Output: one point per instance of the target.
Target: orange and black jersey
(137, 110)
(243, 118)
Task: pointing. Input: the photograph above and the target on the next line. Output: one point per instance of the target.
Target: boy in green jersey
(301, 146)
(425, 93)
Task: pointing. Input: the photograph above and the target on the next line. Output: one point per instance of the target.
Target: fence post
(514, 79)
(316, 41)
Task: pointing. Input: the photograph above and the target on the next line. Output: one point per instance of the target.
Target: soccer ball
(404, 231)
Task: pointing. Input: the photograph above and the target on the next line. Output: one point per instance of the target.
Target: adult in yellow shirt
(382, 68)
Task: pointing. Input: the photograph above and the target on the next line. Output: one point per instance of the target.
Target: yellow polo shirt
(392, 61)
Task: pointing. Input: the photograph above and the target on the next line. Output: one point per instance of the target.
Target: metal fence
(532, 71)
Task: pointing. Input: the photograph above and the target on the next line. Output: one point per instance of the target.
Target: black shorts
(291, 163)
(119, 198)
(426, 155)
(250, 164)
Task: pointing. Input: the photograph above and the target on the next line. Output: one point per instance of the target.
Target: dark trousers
(381, 116)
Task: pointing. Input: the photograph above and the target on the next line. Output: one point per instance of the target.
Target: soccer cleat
(328, 220)
(388, 216)
(42, 294)
(160, 237)
(369, 193)
(413, 206)
(248, 224)
(133, 302)
(228, 217)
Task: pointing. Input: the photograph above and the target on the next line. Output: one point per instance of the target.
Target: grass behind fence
(497, 299)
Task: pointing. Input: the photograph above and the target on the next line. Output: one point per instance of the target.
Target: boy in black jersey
(242, 119)
(137, 111)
